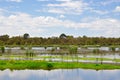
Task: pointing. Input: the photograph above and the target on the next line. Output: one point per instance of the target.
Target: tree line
(63, 39)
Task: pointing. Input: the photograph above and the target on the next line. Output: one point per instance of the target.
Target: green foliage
(9, 50)
(49, 66)
(34, 65)
(29, 47)
(52, 50)
(60, 40)
(29, 53)
(2, 49)
(45, 47)
(64, 47)
(1, 42)
(4, 37)
(26, 36)
(84, 47)
(13, 64)
(96, 51)
(63, 36)
(112, 48)
(22, 47)
(73, 49)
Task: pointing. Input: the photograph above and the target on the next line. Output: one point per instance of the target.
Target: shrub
(22, 48)
(9, 50)
(3, 49)
(73, 49)
(112, 48)
(49, 66)
(96, 51)
(29, 53)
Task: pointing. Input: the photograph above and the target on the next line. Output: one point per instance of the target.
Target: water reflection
(60, 74)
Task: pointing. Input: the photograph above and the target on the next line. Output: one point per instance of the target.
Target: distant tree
(61, 40)
(26, 36)
(63, 36)
(1, 42)
(84, 36)
(4, 37)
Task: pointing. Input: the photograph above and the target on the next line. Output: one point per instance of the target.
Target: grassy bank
(12, 64)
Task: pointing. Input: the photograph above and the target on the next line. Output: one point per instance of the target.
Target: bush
(112, 48)
(73, 49)
(29, 47)
(3, 49)
(49, 66)
(96, 51)
(53, 49)
(22, 48)
(29, 53)
(9, 50)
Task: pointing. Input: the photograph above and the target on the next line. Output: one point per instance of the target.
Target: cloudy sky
(52, 17)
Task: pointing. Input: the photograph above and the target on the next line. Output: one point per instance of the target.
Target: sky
(47, 18)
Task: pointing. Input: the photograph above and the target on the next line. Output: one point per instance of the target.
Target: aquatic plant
(96, 51)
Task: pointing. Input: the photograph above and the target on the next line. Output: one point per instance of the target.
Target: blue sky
(47, 18)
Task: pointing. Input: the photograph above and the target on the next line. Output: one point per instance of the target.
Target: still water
(60, 74)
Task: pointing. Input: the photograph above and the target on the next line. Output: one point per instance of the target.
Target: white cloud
(109, 27)
(20, 23)
(117, 9)
(107, 2)
(1, 11)
(67, 7)
(62, 16)
(15, 0)
(99, 11)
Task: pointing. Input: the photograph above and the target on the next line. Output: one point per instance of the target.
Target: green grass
(13, 64)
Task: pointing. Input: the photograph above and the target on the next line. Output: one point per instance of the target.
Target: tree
(4, 37)
(26, 36)
(63, 36)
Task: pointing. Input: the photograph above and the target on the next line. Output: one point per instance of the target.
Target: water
(60, 74)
